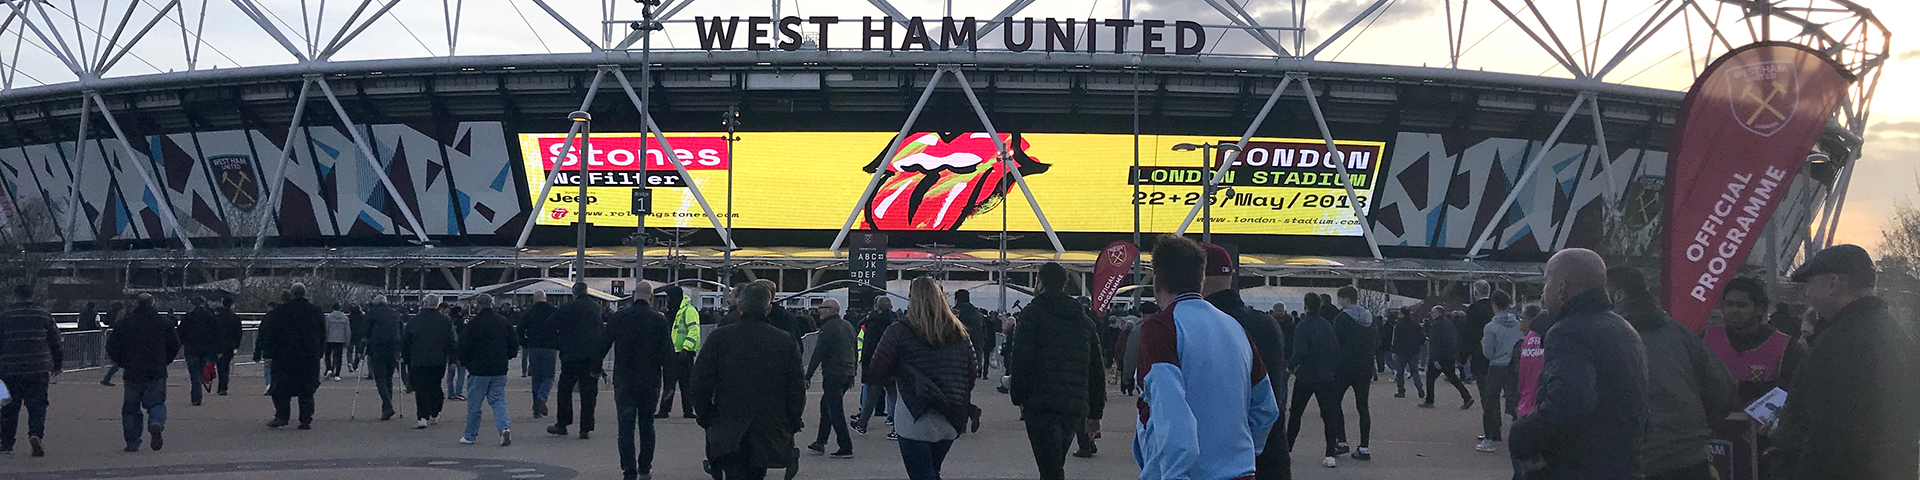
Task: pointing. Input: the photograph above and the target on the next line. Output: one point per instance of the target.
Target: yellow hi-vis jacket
(686, 327)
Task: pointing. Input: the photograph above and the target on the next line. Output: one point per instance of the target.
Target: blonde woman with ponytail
(930, 359)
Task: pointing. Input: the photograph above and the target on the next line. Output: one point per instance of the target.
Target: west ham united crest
(1764, 95)
(234, 175)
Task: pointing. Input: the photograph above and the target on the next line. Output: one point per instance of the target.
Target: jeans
(1361, 384)
(196, 376)
(381, 364)
(879, 400)
(679, 372)
(1407, 366)
(334, 353)
(223, 365)
(494, 391)
(577, 374)
(833, 412)
(29, 391)
(283, 408)
(456, 379)
(541, 363)
(1049, 435)
(149, 397)
(1500, 382)
(630, 416)
(923, 459)
(1444, 367)
(427, 397)
(1327, 396)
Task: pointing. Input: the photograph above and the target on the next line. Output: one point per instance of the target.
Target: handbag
(207, 374)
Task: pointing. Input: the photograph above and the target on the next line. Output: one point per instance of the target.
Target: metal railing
(86, 350)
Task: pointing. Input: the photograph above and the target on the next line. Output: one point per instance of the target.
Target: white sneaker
(336, 378)
(1329, 463)
(1485, 445)
(434, 421)
(422, 424)
(466, 441)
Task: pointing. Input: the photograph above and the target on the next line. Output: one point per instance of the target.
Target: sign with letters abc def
(954, 181)
(1745, 129)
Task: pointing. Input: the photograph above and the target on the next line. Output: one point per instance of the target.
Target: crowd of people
(1591, 380)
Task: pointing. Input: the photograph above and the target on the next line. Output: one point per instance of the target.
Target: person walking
(1589, 415)
(1316, 369)
(30, 356)
(1358, 342)
(1529, 359)
(1855, 408)
(1479, 313)
(200, 338)
(1059, 378)
(833, 349)
(976, 323)
(456, 371)
(384, 336)
(543, 355)
(339, 331)
(1497, 342)
(1130, 354)
(486, 346)
(580, 358)
(1409, 337)
(686, 345)
(877, 398)
(749, 391)
(929, 359)
(143, 344)
(1269, 343)
(115, 310)
(1688, 388)
(1206, 405)
(298, 332)
(227, 322)
(641, 341)
(1443, 343)
(428, 345)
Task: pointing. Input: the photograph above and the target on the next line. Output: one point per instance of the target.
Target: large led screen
(952, 181)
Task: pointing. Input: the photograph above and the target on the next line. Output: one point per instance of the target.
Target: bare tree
(1900, 261)
(30, 222)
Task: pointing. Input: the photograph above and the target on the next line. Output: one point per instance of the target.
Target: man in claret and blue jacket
(1206, 404)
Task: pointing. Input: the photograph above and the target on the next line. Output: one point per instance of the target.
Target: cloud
(1908, 55)
(1323, 19)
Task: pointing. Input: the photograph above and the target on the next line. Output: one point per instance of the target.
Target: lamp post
(1207, 185)
(586, 150)
(731, 120)
(647, 26)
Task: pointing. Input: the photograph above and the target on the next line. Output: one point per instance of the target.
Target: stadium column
(540, 201)
(692, 187)
(892, 148)
(145, 175)
(1006, 157)
(1220, 173)
(373, 161)
(1532, 166)
(73, 185)
(1340, 163)
(274, 187)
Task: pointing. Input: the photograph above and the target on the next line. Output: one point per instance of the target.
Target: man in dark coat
(1316, 366)
(749, 390)
(228, 323)
(877, 396)
(1479, 314)
(297, 333)
(538, 335)
(640, 339)
(143, 344)
(428, 346)
(1409, 336)
(1059, 377)
(1443, 340)
(834, 350)
(1358, 342)
(1268, 342)
(580, 328)
(1590, 409)
(384, 334)
(200, 337)
(486, 346)
(976, 323)
(1854, 411)
(29, 357)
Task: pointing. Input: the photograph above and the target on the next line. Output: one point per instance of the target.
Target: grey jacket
(1688, 388)
(1499, 338)
(834, 349)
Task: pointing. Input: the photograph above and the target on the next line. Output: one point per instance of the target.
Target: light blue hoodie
(1498, 339)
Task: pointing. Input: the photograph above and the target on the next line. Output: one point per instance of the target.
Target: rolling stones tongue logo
(937, 180)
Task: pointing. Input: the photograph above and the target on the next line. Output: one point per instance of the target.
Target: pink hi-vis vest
(1532, 359)
(1761, 364)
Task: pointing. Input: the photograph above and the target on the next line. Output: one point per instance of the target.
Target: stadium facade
(443, 166)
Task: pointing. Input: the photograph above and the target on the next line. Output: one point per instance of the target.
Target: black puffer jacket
(870, 331)
(1056, 365)
(1590, 410)
(929, 378)
(429, 340)
(143, 344)
(579, 326)
(1854, 411)
(199, 336)
(486, 344)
